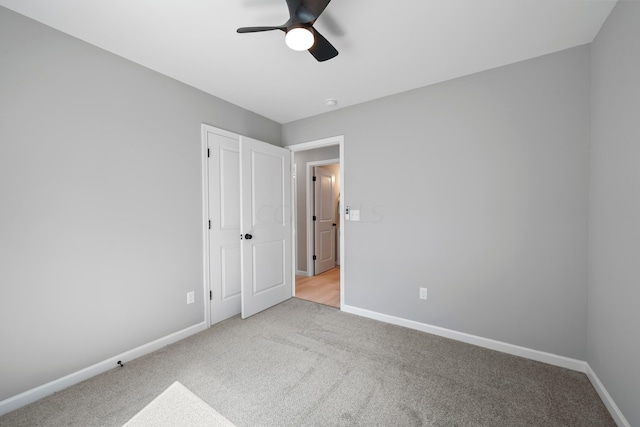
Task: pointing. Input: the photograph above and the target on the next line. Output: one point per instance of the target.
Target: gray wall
(100, 202)
(476, 188)
(301, 159)
(614, 270)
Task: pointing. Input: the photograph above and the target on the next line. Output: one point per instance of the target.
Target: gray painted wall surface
(476, 188)
(614, 270)
(101, 210)
(301, 159)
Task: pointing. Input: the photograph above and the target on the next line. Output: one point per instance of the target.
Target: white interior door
(265, 179)
(224, 232)
(324, 221)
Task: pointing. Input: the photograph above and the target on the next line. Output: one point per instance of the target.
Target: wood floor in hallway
(323, 288)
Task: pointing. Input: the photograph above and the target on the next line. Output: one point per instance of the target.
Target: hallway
(322, 289)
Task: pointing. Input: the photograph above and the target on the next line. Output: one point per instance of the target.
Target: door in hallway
(324, 221)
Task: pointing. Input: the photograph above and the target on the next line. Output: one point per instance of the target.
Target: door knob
(248, 236)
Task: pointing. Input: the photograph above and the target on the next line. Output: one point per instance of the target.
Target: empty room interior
(467, 253)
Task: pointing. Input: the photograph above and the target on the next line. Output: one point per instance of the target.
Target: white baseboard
(39, 392)
(540, 356)
(607, 399)
(301, 273)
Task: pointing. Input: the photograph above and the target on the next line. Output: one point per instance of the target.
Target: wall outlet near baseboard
(423, 293)
(190, 297)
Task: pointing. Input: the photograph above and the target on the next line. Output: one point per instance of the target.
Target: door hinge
(314, 257)
(208, 153)
(314, 217)
(314, 179)
(210, 295)
(209, 224)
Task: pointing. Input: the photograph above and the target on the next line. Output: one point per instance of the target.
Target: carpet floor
(305, 364)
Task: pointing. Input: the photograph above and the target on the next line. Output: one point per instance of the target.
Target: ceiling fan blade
(258, 29)
(293, 6)
(305, 11)
(316, 7)
(322, 50)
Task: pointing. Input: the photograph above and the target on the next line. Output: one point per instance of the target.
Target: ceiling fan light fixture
(300, 34)
(299, 38)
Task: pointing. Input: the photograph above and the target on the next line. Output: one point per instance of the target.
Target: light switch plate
(355, 215)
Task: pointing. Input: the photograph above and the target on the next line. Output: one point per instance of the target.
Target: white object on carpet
(178, 406)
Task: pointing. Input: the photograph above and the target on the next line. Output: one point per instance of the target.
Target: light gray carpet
(305, 364)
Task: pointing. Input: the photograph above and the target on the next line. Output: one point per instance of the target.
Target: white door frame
(205, 225)
(311, 267)
(326, 142)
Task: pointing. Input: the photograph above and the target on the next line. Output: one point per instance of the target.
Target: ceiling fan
(300, 34)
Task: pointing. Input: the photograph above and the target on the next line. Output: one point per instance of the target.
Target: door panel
(267, 204)
(269, 267)
(265, 178)
(324, 234)
(230, 273)
(326, 246)
(229, 167)
(224, 212)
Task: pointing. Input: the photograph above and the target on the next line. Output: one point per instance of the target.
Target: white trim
(301, 273)
(540, 356)
(39, 392)
(206, 280)
(615, 412)
(326, 142)
(342, 223)
(294, 225)
(311, 267)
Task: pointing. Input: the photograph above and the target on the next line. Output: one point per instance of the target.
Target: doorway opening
(321, 279)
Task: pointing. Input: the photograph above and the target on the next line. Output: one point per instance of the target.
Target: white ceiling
(385, 47)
